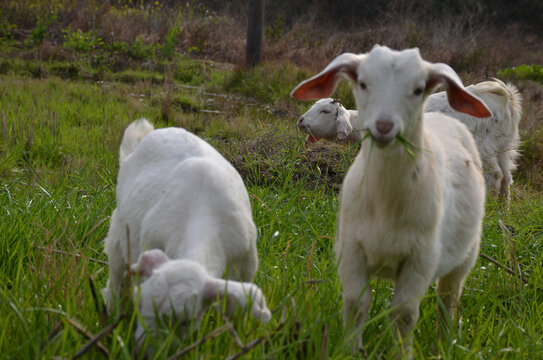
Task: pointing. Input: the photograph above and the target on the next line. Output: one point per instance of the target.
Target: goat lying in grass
(412, 215)
(496, 137)
(188, 217)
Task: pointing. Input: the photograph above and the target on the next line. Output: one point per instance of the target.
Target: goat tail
(512, 97)
(515, 102)
(133, 134)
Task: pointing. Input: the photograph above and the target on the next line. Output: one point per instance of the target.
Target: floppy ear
(324, 83)
(459, 98)
(343, 124)
(237, 293)
(148, 261)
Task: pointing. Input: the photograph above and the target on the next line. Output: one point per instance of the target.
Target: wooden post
(255, 27)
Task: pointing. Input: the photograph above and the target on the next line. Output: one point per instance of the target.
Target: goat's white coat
(188, 217)
(497, 137)
(408, 220)
(328, 119)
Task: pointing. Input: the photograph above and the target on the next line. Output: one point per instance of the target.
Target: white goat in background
(410, 220)
(496, 137)
(328, 119)
(188, 217)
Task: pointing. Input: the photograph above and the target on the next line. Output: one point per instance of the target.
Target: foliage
(82, 41)
(140, 50)
(170, 42)
(39, 33)
(276, 30)
(266, 82)
(5, 28)
(525, 72)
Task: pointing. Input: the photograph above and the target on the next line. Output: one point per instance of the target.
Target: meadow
(63, 110)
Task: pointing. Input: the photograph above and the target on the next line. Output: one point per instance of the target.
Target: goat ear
(459, 98)
(343, 125)
(237, 292)
(324, 83)
(148, 261)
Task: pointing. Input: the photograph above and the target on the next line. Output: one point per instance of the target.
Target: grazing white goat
(183, 215)
(496, 137)
(410, 220)
(328, 119)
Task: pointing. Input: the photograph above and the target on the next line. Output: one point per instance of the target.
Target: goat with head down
(328, 119)
(189, 221)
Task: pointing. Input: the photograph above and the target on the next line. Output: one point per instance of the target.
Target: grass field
(64, 106)
(58, 165)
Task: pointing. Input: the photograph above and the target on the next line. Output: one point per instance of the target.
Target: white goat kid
(408, 220)
(188, 217)
(496, 137)
(328, 119)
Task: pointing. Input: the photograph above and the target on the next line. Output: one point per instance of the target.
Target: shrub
(525, 72)
(82, 41)
(140, 50)
(39, 33)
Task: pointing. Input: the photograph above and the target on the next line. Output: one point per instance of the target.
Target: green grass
(58, 165)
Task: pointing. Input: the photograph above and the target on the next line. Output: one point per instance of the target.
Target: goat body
(183, 215)
(408, 220)
(497, 137)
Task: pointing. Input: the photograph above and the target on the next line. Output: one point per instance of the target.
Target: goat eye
(325, 111)
(418, 91)
(363, 85)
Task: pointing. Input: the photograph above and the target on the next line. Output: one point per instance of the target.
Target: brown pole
(255, 27)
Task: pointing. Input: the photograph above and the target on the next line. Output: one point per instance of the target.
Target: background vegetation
(74, 74)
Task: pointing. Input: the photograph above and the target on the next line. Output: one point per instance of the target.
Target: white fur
(183, 218)
(328, 119)
(496, 137)
(408, 220)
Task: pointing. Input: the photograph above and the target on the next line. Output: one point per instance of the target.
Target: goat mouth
(311, 139)
(383, 141)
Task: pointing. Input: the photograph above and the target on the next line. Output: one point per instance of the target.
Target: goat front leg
(356, 295)
(411, 285)
(492, 173)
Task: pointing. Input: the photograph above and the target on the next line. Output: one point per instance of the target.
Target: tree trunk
(254, 32)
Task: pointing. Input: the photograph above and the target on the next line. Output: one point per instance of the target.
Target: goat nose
(300, 121)
(384, 126)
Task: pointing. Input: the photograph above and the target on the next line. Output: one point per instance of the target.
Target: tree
(255, 25)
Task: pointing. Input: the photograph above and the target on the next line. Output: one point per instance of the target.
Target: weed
(525, 72)
(82, 41)
(39, 33)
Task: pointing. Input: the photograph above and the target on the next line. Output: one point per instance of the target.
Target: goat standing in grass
(189, 218)
(412, 202)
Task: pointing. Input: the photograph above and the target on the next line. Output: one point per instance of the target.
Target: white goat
(328, 119)
(183, 215)
(496, 137)
(410, 220)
